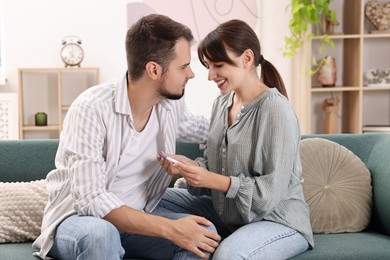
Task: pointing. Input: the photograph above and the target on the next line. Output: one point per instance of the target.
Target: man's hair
(153, 38)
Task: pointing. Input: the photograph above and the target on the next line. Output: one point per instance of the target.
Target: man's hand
(186, 232)
(190, 235)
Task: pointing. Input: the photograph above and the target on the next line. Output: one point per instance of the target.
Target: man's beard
(165, 93)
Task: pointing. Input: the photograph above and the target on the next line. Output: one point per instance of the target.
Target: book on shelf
(376, 128)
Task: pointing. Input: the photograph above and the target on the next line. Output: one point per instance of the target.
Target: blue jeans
(258, 240)
(86, 238)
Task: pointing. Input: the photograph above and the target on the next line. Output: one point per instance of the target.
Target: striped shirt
(260, 153)
(96, 130)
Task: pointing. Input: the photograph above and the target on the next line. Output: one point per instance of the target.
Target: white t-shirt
(136, 165)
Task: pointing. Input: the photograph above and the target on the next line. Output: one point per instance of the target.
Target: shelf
(50, 90)
(65, 108)
(334, 89)
(40, 128)
(376, 128)
(338, 36)
(376, 88)
(59, 69)
(355, 51)
(375, 35)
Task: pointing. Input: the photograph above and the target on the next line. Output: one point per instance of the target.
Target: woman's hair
(237, 36)
(153, 38)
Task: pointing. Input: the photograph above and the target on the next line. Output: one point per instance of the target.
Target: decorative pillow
(337, 187)
(21, 210)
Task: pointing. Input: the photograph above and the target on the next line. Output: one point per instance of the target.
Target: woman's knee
(225, 251)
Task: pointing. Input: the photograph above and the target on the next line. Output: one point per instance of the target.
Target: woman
(251, 168)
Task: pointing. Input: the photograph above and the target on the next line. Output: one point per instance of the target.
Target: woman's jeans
(84, 237)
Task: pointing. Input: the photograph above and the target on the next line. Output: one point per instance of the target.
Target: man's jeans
(86, 238)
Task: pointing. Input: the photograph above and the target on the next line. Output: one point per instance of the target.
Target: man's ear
(248, 58)
(153, 70)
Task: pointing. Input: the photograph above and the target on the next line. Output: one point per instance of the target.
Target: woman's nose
(211, 75)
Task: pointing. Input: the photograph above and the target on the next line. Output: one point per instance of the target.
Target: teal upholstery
(26, 160)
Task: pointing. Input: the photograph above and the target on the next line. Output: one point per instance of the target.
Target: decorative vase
(331, 106)
(328, 24)
(327, 75)
(40, 119)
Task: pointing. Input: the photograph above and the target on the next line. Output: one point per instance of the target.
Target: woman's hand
(169, 166)
(195, 175)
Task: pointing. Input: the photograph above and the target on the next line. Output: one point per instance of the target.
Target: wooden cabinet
(363, 107)
(51, 91)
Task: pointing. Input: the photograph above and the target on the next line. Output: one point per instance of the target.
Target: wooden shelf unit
(50, 90)
(355, 51)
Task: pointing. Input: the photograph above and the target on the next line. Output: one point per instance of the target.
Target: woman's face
(228, 77)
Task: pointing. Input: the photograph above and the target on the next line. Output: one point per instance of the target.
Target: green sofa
(27, 160)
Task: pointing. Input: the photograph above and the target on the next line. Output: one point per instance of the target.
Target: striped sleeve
(83, 152)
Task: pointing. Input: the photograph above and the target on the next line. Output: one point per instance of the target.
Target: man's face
(179, 72)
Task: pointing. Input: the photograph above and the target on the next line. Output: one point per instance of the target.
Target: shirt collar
(121, 99)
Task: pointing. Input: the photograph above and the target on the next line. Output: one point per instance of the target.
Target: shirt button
(223, 150)
(238, 115)
(223, 170)
(220, 213)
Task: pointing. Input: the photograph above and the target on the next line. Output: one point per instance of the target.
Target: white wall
(33, 31)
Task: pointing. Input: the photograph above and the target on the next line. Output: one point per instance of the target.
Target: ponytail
(271, 76)
(238, 36)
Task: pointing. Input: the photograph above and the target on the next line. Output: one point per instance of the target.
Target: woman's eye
(218, 65)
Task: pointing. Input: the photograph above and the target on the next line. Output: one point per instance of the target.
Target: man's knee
(101, 233)
(90, 232)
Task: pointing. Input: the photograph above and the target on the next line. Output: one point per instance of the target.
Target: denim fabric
(86, 238)
(257, 240)
(145, 247)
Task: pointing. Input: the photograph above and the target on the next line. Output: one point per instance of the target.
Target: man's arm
(185, 232)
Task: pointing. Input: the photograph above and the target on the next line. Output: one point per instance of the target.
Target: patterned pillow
(337, 187)
(21, 210)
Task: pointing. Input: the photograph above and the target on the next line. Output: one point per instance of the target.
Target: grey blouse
(260, 153)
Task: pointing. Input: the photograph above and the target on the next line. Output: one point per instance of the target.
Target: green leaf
(307, 13)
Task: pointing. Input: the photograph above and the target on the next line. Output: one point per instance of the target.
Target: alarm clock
(72, 53)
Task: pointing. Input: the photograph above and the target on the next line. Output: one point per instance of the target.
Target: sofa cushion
(337, 187)
(357, 246)
(379, 166)
(21, 210)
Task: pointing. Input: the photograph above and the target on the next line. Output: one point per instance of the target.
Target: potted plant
(306, 13)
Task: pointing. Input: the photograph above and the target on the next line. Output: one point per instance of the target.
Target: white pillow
(21, 210)
(337, 187)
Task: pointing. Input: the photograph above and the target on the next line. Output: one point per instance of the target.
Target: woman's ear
(153, 70)
(248, 58)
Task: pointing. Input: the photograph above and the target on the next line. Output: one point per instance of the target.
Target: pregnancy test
(168, 158)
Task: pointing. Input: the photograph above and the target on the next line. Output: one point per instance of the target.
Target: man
(107, 179)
